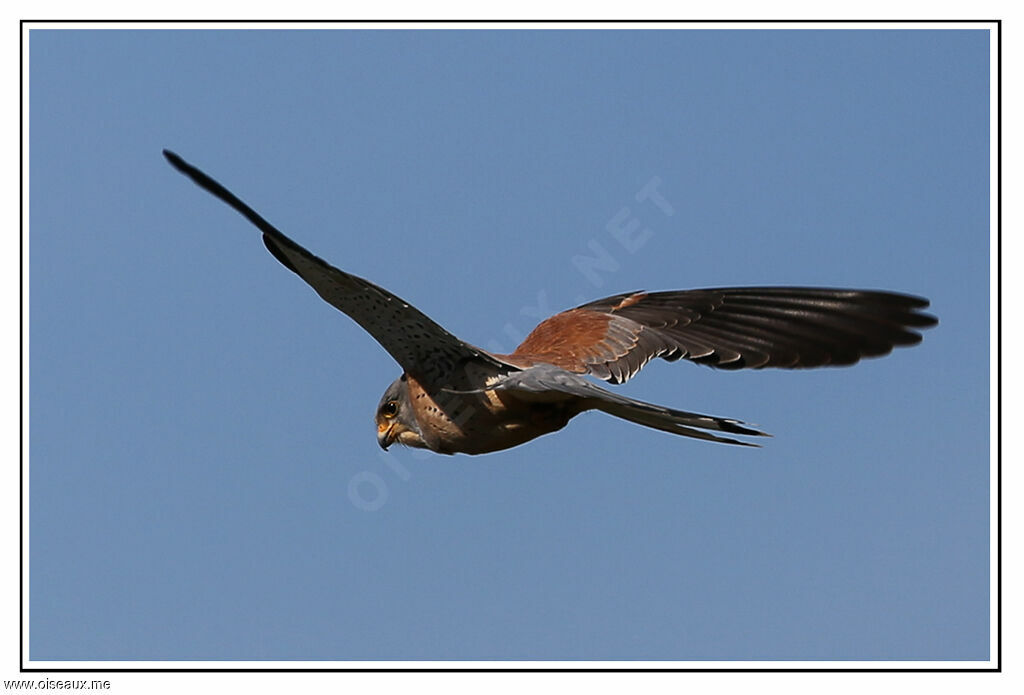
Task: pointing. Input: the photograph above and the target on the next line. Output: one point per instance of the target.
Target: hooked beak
(385, 435)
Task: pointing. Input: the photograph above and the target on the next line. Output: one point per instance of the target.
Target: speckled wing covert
(727, 328)
(424, 349)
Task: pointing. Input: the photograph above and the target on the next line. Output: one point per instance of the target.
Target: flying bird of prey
(454, 397)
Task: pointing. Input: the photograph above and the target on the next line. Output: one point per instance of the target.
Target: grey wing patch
(422, 347)
(544, 382)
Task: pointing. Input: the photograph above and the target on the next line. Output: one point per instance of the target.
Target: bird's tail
(545, 382)
(677, 421)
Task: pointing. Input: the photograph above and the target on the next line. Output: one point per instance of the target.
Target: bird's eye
(389, 409)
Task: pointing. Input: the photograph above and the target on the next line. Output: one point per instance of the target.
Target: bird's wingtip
(173, 158)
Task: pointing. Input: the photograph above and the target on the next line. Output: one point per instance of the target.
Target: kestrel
(454, 397)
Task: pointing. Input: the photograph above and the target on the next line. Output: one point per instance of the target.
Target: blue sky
(205, 480)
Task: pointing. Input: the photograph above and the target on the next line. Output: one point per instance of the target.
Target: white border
(102, 666)
(995, 195)
(25, 333)
(511, 25)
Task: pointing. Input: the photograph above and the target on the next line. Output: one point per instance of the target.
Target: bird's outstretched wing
(728, 328)
(424, 349)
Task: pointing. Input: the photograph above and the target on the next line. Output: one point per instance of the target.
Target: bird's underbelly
(482, 422)
(494, 431)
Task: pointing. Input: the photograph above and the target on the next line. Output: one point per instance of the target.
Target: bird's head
(396, 421)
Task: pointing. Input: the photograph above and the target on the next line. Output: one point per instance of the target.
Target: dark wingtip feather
(273, 239)
(176, 161)
(277, 253)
